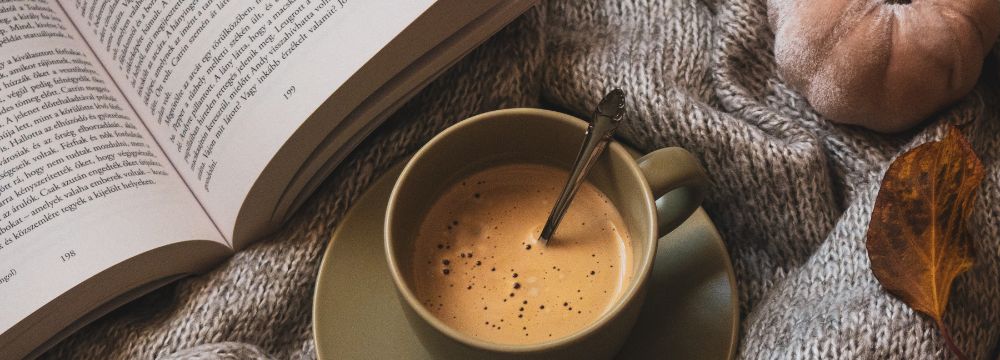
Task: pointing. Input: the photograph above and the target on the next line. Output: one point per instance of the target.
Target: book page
(223, 84)
(83, 186)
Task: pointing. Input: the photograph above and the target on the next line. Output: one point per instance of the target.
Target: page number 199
(289, 92)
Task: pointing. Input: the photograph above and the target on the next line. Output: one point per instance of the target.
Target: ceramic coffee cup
(547, 137)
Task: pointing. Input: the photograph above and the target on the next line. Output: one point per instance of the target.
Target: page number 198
(289, 92)
(68, 255)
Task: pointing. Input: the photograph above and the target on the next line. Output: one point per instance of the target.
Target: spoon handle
(602, 127)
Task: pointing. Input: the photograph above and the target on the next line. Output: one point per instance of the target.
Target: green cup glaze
(547, 137)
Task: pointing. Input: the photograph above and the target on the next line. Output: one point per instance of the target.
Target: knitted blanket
(791, 193)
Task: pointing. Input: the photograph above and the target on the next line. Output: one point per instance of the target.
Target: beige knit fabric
(792, 193)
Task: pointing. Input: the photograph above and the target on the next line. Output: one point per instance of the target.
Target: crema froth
(478, 266)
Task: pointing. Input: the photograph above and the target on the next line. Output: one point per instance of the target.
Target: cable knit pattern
(791, 193)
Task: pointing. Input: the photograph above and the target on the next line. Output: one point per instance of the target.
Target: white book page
(223, 84)
(83, 186)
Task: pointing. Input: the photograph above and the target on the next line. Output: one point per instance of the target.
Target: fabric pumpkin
(885, 65)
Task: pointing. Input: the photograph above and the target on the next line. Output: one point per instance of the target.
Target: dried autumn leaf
(916, 239)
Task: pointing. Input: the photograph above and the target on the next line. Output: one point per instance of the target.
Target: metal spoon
(606, 117)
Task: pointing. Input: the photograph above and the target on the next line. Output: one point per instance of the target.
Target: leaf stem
(949, 342)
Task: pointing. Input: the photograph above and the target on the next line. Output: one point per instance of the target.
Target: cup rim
(632, 291)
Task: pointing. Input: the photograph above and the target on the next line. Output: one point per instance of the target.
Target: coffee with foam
(479, 269)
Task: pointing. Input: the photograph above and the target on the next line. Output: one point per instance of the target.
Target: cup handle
(678, 182)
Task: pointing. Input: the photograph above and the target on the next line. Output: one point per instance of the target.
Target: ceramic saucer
(691, 310)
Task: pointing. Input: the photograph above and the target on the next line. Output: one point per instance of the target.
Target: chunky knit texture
(791, 193)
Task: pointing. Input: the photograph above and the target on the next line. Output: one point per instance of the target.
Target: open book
(144, 140)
